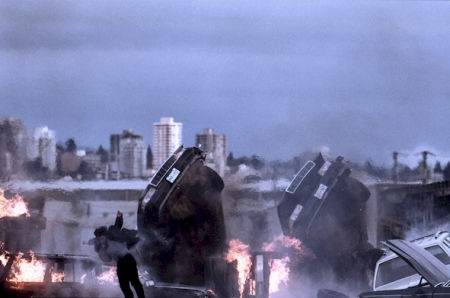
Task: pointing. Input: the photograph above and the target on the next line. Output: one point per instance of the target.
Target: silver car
(393, 273)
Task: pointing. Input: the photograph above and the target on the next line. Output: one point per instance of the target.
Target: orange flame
(58, 277)
(82, 278)
(279, 268)
(13, 207)
(240, 253)
(24, 270)
(3, 258)
(109, 276)
(284, 241)
(28, 270)
(279, 274)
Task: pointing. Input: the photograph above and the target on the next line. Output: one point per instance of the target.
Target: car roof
(422, 261)
(435, 238)
(425, 241)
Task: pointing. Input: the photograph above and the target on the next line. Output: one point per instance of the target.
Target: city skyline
(408, 158)
(362, 79)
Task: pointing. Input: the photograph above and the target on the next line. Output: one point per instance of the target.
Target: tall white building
(43, 145)
(215, 147)
(132, 155)
(114, 147)
(167, 137)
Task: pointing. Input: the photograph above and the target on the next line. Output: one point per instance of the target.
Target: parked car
(392, 273)
(434, 276)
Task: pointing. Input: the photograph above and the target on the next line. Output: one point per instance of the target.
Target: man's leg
(122, 274)
(133, 275)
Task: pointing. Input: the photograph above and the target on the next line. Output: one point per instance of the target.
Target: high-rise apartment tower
(167, 137)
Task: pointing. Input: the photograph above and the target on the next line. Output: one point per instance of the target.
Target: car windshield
(439, 253)
(396, 268)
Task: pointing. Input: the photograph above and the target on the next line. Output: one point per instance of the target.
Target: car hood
(421, 260)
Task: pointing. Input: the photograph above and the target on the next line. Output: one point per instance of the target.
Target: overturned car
(182, 227)
(324, 204)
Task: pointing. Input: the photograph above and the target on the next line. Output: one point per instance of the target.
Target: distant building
(13, 142)
(94, 161)
(132, 156)
(114, 151)
(112, 172)
(114, 147)
(167, 137)
(215, 147)
(70, 163)
(42, 145)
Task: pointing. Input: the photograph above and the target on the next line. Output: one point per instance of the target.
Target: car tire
(325, 293)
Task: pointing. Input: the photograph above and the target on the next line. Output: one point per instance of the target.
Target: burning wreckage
(184, 249)
(43, 275)
(182, 228)
(324, 207)
(181, 223)
(52, 275)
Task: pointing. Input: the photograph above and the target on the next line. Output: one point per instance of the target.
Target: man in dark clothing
(113, 244)
(127, 273)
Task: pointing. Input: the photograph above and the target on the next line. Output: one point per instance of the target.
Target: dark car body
(181, 225)
(307, 193)
(154, 197)
(324, 204)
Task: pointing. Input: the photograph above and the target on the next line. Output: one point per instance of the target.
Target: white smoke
(417, 232)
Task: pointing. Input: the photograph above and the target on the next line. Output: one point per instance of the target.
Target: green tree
(104, 156)
(256, 162)
(85, 171)
(446, 172)
(437, 167)
(71, 146)
(36, 171)
(230, 159)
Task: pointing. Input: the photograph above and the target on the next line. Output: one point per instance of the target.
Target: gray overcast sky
(278, 77)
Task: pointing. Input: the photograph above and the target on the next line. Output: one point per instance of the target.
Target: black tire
(325, 293)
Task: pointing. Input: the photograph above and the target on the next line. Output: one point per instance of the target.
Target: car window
(393, 270)
(439, 253)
